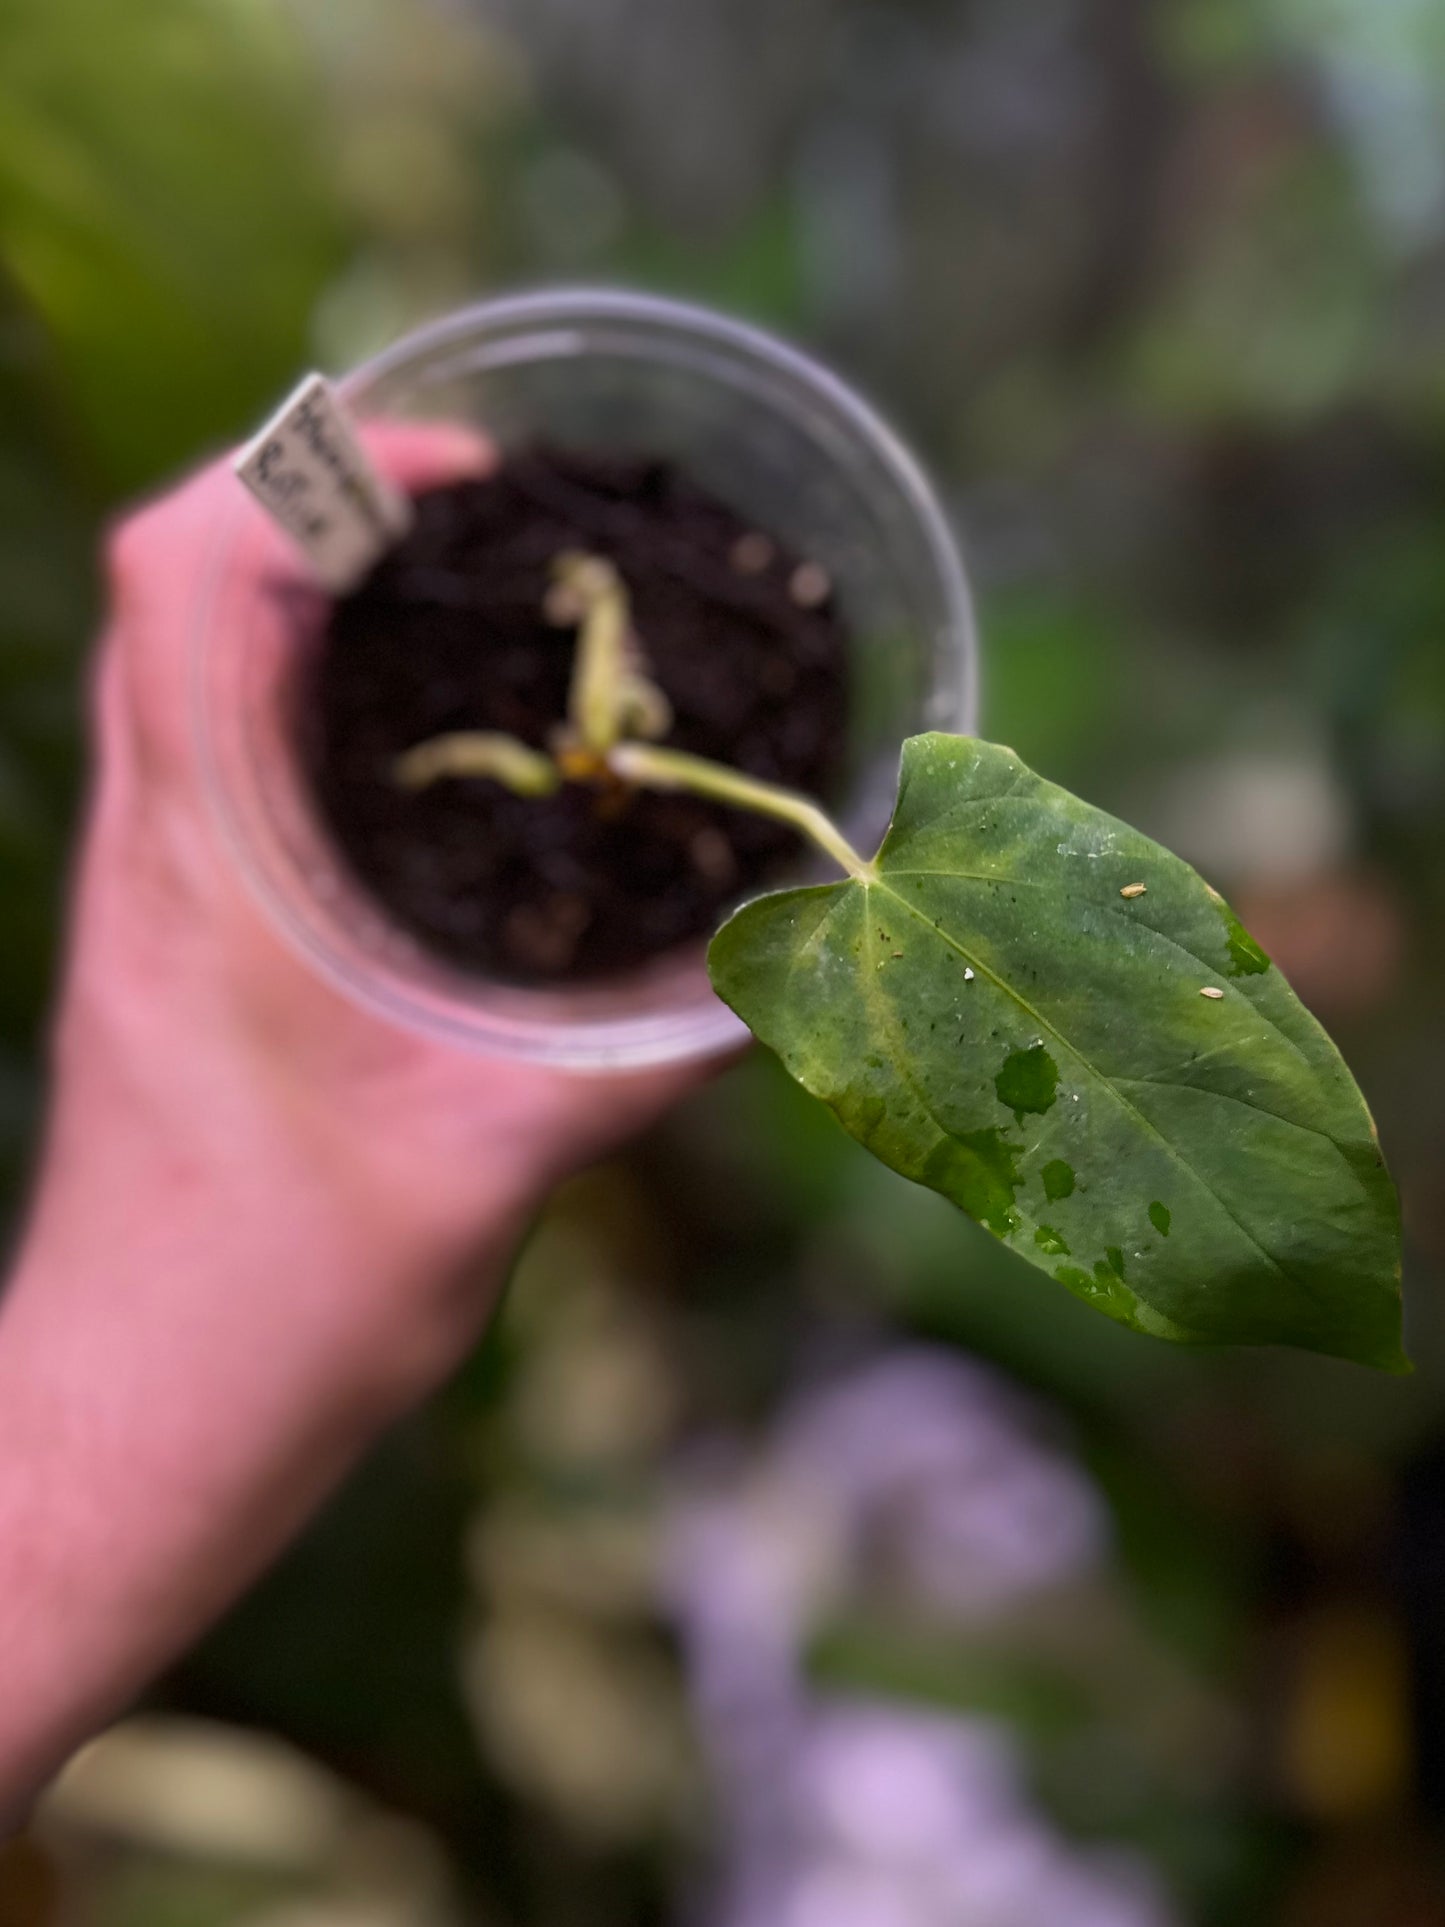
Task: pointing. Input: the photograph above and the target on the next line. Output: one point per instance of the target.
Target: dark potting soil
(448, 633)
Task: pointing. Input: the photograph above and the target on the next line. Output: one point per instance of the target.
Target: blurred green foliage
(165, 218)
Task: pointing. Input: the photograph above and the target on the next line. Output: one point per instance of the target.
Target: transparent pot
(784, 442)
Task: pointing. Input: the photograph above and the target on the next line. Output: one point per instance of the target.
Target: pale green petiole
(479, 752)
(673, 769)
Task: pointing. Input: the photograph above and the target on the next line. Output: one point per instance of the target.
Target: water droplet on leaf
(1028, 1082)
(1058, 1180)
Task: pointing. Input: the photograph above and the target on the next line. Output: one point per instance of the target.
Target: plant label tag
(309, 472)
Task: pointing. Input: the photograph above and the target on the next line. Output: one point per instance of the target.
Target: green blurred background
(790, 1555)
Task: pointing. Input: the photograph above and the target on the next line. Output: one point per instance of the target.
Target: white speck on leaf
(1212, 992)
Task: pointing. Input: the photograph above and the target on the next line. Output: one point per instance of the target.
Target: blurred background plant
(789, 1555)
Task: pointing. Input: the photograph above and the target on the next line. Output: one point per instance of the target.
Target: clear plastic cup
(780, 439)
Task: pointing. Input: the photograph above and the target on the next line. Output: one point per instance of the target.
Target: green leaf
(989, 1015)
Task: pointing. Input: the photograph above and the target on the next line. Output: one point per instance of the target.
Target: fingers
(418, 455)
(204, 556)
(155, 552)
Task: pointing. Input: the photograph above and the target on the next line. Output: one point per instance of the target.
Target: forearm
(267, 1221)
(159, 1444)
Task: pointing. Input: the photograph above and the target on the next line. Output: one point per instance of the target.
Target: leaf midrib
(879, 882)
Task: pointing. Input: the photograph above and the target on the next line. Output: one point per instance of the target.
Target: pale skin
(265, 1223)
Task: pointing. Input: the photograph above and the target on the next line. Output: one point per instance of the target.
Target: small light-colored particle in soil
(752, 553)
(1210, 991)
(562, 607)
(547, 933)
(809, 585)
(712, 855)
(1132, 890)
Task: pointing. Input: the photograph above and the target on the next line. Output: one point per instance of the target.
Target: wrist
(313, 1207)
(298, 1269)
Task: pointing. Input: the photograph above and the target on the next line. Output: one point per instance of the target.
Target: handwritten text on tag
(310, 473)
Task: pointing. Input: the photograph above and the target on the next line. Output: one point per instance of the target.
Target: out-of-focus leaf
(163, 210)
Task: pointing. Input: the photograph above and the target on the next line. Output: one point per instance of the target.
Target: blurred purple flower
(852, 1814)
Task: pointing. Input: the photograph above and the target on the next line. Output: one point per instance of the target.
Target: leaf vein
(1133, 922)
(1108, 1083)
(873, 993)
(1228, 1097)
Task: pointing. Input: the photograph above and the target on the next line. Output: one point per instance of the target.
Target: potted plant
(663, 662)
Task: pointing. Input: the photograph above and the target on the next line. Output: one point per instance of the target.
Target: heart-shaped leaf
(1114, 1080)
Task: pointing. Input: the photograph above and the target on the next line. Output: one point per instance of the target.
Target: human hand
(266, 1220)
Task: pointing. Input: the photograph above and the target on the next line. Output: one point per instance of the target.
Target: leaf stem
(673, 769)
(479, 752)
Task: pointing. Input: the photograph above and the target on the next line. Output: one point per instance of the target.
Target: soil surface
(448, 632)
